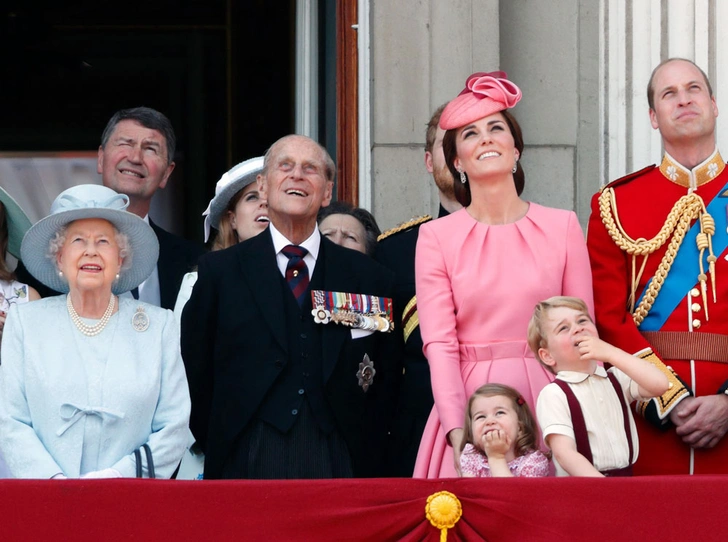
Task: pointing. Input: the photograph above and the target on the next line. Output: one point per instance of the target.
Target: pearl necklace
(87, 330)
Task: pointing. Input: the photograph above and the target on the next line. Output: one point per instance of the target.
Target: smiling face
(344, 230)
(496, 412)
(564, 327)
(134, 162)
(485, 147)
(251, 213)
(684, 111)
(89, 257)
(294, 181)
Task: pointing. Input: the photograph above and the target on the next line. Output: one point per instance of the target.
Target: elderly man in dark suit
(281, 386)
(136, 158)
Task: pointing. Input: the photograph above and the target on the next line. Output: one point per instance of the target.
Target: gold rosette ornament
(443, 509)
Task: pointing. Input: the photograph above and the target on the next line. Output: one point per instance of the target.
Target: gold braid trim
(405, 226)
(410, 318)
(675, 391)
(677, 224)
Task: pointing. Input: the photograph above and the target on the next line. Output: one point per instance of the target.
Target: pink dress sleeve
(577, 274)
(533, 465)
(438, 325)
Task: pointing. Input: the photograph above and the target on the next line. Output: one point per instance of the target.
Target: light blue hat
(91, 201)
(18, 222)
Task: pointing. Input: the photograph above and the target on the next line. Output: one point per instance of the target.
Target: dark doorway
(221, 70)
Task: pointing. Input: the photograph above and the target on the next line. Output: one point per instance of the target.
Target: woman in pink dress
(480, 271)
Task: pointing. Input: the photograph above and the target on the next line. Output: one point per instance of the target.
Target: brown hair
(528, 434)
(449, 148)
(5, 273)
(226, 234)
(431, 132)
(651, 90)
(536, 331)
(365, 218)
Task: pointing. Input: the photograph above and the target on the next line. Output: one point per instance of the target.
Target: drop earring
(463, 178)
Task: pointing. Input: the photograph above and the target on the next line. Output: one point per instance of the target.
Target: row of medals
(368, 322)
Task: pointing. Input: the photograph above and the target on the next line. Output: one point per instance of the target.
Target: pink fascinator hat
(483, 95)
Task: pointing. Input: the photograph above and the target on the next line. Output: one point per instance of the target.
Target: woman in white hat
(238, 212)
(89, 377)
(13, 225)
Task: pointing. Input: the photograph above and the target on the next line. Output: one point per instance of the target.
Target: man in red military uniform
(659, 248)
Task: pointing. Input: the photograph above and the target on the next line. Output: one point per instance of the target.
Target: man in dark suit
(136, 158)
(396, 251)
(279, 389)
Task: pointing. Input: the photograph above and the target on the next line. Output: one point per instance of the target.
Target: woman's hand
(456, 437)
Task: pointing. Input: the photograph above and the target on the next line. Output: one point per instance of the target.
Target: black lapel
(260, 270)
(338, 278)
(165, 267)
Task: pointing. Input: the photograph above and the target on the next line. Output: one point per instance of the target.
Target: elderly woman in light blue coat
(89, 377)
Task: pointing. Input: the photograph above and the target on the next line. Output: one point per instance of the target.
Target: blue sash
(683, 273)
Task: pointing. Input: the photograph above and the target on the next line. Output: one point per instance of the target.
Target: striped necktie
(296, 271)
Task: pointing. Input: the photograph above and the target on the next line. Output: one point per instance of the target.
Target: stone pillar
(422, 52)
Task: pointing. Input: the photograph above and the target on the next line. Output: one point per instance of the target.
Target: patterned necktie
(296, 271)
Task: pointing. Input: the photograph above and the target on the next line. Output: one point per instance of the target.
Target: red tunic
(643, 203)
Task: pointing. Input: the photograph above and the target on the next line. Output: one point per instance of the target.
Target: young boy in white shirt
(584, 414)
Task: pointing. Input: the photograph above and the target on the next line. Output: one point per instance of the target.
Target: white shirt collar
(574, 377)
(312, 244)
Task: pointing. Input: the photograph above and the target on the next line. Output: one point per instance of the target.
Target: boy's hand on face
(496, 444)
(593, 348)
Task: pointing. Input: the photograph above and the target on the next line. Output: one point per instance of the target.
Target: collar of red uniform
(692, 178)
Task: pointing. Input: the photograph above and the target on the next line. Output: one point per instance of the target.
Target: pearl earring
(117, 276)
(515, 167)
(60, 274)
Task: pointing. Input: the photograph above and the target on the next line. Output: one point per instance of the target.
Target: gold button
(695, 307)
(696, 323)
(695, 292)
(295, 273)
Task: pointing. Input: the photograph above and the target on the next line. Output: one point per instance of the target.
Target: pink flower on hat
(485, 93)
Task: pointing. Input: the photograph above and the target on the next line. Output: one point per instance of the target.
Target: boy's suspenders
(580, 433)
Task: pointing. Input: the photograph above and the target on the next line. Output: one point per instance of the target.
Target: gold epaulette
(410, 318)
(674, 394)
(405, 226)
(628, 178)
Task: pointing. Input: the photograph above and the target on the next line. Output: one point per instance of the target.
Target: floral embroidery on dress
(474, 463)
(20, 292)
